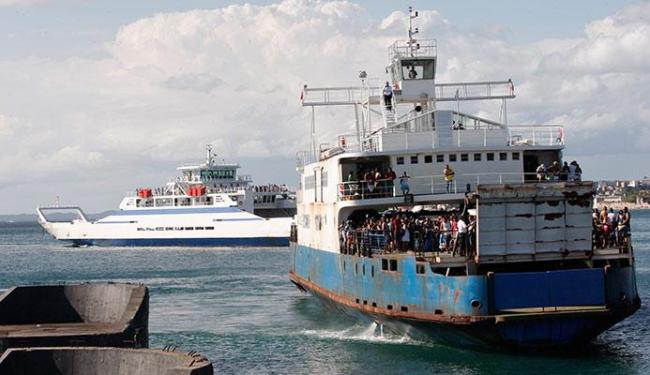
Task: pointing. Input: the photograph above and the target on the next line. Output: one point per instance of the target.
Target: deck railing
(433, 184)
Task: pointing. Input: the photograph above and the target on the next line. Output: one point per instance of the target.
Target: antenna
(208, 158)
(412, 42)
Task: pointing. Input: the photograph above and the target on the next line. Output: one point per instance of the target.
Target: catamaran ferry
(209, 204)
(446, 225)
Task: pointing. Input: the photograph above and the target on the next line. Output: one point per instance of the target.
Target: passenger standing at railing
(578, 171)
(564, 172)
(444, 232)
(449, 177)
(391, 176)
(388, 96)
(404, 183)
(406, 237)
(453, 244)
(379, 183)
(541, 173)
(553, 172)
(461, 242)
(471, 235)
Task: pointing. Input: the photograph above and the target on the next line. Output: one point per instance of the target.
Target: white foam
(372, 333)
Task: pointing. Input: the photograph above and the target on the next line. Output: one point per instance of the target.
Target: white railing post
(432, 184)
(484, 137)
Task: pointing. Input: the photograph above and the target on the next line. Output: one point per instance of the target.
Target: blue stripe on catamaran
(188, 242)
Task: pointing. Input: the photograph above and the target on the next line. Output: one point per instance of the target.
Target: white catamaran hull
(191, 226)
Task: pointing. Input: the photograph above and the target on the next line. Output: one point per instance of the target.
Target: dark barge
(102, 361)
(92, 314)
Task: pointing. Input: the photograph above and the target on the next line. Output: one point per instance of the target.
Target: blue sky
(100, 97)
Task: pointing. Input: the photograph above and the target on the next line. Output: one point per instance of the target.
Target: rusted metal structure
(533, 279)
(92, 314)
(102, 361)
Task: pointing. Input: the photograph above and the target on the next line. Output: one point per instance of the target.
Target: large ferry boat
(209, 204)
(446, 225)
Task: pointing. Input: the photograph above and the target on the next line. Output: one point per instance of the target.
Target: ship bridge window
(417, 69)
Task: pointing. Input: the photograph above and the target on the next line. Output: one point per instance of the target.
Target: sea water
(237, 307)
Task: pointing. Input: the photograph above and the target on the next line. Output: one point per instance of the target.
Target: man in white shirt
(388, 96)
(462, 236)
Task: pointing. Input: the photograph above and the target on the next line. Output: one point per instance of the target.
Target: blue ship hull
(525, 310)
(188, 242)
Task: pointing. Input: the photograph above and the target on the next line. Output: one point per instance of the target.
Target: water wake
(372, 333)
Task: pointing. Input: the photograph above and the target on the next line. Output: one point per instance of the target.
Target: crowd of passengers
(610, 228)
(449, 232)
(556, 172)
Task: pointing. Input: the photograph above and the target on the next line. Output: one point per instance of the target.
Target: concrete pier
(93, 314)
(102, 361)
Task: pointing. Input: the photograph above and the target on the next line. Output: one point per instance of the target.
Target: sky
(98, 98)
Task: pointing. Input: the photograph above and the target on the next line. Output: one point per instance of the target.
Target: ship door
(531, 161)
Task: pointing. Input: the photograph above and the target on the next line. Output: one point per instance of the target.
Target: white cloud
(21, 2)
(173, 82)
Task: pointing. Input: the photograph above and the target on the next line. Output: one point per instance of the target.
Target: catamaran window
(400, 160)
(452, 157)
(310, 182)
(515, 156)
(428, 159)
(477, 157)
(464, 157)
(417, 69)
(440, 158)
(503, 156)
(490, 156)
(414, 159)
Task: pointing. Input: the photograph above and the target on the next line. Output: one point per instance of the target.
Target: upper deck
(440, 131)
